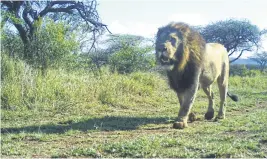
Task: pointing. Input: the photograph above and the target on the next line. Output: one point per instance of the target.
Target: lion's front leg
(186, 100)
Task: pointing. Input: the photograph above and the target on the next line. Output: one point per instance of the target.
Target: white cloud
(116, 27)
(137, 28)
(149, 29)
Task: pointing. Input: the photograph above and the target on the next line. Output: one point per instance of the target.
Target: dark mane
(180, 81)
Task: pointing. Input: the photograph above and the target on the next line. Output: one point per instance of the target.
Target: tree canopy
(235, 35)
(125, 49)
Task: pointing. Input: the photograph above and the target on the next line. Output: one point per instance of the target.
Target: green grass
(100, 114)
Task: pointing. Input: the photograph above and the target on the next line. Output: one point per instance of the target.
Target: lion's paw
(218, 117)
(192, 117)
(209, 115)
(179, 125)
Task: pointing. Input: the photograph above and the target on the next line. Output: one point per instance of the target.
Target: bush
(52, 45)
(18, 82)
(243, 71)
(11, 44)
(131, 59)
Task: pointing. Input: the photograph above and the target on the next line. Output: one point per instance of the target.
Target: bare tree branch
(25, 13)
(49, 9)
(233, 51)
(240, 54)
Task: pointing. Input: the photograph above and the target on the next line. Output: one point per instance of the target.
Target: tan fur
(193, 61)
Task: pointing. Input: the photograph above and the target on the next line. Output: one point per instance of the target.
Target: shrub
(18, 82)
(131, 59)
(243, 71)
(52, 45)
(11, 44)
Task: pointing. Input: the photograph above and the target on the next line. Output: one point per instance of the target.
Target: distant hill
(242, 61)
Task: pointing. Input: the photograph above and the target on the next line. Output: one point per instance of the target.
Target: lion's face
(167, 43)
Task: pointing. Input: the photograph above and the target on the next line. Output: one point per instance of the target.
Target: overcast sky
(144, 17)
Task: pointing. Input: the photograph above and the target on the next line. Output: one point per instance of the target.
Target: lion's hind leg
(223, 86)
(210, 113)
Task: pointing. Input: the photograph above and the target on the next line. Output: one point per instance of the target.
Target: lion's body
(195, 65)
(215, 64)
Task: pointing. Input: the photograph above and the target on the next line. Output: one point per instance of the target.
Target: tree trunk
(25, 40)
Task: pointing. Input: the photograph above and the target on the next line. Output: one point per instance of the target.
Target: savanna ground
(104, 114)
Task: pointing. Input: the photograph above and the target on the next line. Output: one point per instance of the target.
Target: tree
(261, 59)
(116, 42)
(121, 44)
(52, 46)
(235, 35)
(25, 14)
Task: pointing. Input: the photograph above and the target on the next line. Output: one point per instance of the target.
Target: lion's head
(177, 43)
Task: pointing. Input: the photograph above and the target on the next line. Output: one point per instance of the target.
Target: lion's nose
(164, 48)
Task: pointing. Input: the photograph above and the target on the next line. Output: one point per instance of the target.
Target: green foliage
(261, 59)
(52, 45)
(11, 16)
(99, 58)
(242, 70)
(25, 87)
(125, 53)
(23, 15)
(79, 62)
(131, 59)
(11, 44)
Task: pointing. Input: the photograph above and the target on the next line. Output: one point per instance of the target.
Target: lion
(193, 64)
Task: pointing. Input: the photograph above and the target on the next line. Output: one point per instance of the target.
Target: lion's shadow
(102, 124)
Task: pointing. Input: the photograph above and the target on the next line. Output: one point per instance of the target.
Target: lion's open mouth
(166, 61)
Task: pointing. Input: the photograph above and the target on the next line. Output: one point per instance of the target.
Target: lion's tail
(233, 96)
